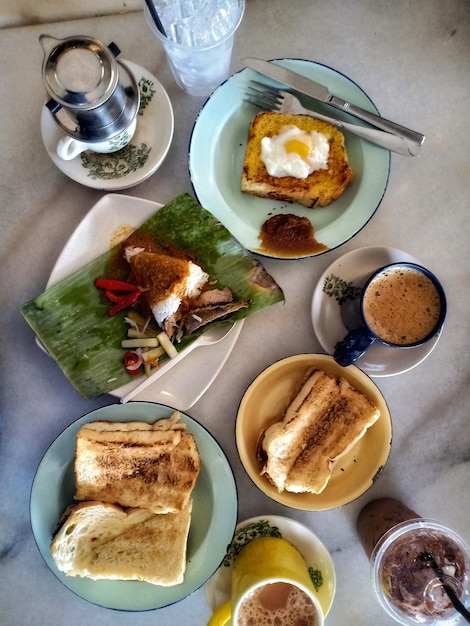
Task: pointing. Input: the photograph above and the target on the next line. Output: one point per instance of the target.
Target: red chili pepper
(125, 302)
(132, 363)
(114, 285)
(114, 297)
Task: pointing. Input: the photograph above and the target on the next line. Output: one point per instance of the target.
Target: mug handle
(353, 346)
(222, 615)
(68, 148)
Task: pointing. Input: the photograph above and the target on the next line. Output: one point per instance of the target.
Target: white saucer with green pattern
(135, 162)
(317, 557)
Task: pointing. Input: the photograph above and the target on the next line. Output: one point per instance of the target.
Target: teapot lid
(78, 72)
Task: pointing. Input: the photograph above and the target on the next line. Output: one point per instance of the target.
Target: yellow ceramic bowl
(268, 397)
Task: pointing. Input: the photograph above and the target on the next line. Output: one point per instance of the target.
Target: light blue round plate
(217, 149)
(212, 523)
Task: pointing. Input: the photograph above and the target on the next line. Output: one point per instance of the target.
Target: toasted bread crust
(152, 469)
(324, 420)
(103, 541)
(320, 188)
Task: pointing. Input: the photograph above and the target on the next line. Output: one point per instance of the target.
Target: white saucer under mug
(350, 271)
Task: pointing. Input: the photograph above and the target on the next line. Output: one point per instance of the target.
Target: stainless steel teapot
(93, 96)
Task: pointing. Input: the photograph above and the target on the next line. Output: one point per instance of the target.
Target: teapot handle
(115, 49)
(53, 106)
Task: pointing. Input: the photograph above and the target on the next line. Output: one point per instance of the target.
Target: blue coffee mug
(388, 299)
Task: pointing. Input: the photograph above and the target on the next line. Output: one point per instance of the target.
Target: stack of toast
(134, 482)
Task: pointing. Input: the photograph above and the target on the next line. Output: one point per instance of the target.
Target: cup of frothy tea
(270, 585)
(402, 305)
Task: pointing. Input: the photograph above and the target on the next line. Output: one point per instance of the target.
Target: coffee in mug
(402, 305)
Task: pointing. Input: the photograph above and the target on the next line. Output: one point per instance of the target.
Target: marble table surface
(27, 12)
(412, 58)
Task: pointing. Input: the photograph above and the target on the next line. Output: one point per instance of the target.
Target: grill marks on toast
(134, 481)
(152, 469)
(322, 423)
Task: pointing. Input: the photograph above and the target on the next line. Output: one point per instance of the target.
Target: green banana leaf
(71, 318)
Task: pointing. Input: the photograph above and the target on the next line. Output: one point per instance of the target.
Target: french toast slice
(320, 188)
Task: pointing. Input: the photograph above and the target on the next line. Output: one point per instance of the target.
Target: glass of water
(198, 40)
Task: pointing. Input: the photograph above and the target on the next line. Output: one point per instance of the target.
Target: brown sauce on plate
(288, 235)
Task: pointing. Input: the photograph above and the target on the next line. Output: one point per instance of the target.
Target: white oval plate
(307, 543)
(218, 145)
(110, 220)
(213, 517)
(354, 267)
(134, 164)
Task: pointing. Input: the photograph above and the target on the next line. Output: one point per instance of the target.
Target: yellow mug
(270, 579)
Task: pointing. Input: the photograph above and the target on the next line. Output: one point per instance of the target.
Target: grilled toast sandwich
(322, 423)
(134, 465)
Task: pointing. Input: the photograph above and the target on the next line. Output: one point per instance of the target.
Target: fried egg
(294, 152)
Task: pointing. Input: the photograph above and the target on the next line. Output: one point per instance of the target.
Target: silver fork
(272, 99)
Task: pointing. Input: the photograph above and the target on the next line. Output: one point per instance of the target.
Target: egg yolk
(301, 148)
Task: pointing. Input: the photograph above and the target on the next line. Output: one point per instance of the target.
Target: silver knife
(311, 88)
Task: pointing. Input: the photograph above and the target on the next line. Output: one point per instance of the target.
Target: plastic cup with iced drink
(198, 40)
(414, 563)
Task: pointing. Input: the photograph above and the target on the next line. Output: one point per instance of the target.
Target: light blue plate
(213, 519)
(217, 149)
